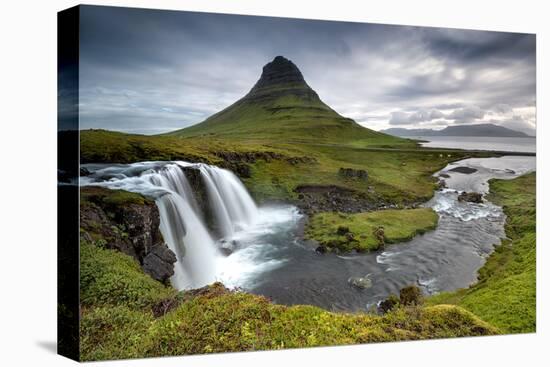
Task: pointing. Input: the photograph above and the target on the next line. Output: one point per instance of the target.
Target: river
(270, 258)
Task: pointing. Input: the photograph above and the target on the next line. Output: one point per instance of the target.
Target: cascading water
(233, 208)
(181, 220)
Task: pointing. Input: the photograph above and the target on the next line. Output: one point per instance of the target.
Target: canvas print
(236, 183)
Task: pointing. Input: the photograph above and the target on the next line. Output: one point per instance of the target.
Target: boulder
(159, 263)
(462, 169)
(353, 173)
(361, 282)
(472, 197)
(84, 172)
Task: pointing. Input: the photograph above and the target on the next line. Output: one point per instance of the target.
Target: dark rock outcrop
(353, 173)
(465, 170)
(129, 224)
(472, 197)
(159, 263)
(322, 198)
(239, 162)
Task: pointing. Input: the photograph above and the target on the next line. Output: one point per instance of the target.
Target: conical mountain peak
(280, 77)
(280, 71)
(281, 104)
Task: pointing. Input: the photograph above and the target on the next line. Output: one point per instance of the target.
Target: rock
(361, 282)
(444, 175)
(441, 184)
(353, 173)
(321, 249)
(411, 295)
(130, 228)
(159, 263)
(227, 247)
(324, 198)
(472, 197)
(380, 236)
(462, 169)
(301, 160)
(84, 171)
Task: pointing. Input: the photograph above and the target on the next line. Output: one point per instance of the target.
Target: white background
(28, 182)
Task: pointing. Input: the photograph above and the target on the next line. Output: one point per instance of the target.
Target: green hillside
(282, 106)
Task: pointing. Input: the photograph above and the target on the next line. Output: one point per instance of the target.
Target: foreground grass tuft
(505, 294)
(222, 321)
(109, 277)
(369, 231)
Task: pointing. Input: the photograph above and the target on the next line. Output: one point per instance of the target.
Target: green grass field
(361, 232)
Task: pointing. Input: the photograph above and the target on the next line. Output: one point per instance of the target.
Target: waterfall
(231, 204)
(181, 220)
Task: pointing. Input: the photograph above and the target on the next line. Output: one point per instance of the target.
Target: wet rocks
(353, 173)
(159, 263)
(361, 282)
(472, 197)
(462, 169)
(319, 198)
(228, 246)
(84, 172)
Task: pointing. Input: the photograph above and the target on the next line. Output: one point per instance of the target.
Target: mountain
(282, 105)
(489, 130)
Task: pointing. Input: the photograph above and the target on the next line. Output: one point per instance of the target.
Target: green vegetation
(221, 321)
(399, 176)
(109, 277)
(505, 294)
(110, 198)
(369, 231)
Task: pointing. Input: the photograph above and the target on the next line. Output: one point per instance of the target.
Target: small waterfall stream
(181, 219)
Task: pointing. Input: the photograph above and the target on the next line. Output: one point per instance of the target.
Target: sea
(525, 144)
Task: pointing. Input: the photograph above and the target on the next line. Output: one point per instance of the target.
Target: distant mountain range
(490, 130)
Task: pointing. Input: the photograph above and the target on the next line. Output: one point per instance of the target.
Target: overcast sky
(145, 71)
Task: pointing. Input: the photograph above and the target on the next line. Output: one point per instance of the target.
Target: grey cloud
(403, 118)
(153, 71)
(467, 114)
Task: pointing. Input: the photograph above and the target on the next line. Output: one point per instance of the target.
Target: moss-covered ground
(369, 231)
(399, 171)
(505, 294)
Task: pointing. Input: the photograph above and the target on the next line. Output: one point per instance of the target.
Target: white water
(199, 261)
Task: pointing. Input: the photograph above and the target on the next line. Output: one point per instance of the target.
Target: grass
(361, 232)
(222, 321)
(109, 277)
(110, 198)
(396, 175)
(505, 294)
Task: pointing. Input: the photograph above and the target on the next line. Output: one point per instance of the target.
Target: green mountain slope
(282, 105)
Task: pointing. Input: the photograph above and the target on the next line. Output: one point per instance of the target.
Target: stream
(270, 258)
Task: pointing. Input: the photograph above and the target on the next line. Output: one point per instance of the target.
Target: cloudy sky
(144, 71)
